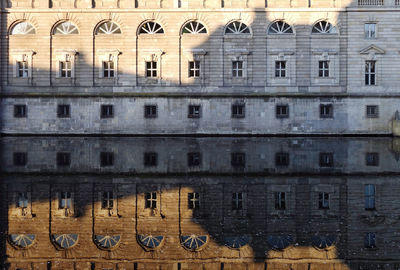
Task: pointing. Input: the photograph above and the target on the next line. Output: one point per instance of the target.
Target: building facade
(199, 67)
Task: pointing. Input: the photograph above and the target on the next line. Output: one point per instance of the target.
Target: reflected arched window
(280, 27)
(236, 242)
(23, 28)
(194, 242)
(324, 27)
(108, 28)
(151, 28)
(65, 241)
(323, 241)
(237, 27)
(150, 242)
(194, 27)
(107, 241)
(66, 28)
(279, 241)
(22, 240)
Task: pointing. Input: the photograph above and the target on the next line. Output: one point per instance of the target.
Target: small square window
(237, 201)
(282, 111)
(20, 111)
(194, 111)
(323, 200)
(150, 111)
(151, 69)
(237, 69)
(370, 240)
(372, 159)
(238, 159)
(106, 159)
(107, 111)
(107, 201)
(194, 159)
(63, 111)
(280, 200)
(238, 110)
(282, 159)
(280, 69)
(326, 159)
(326, 111)
(20, 158)
(22, 200)
(150, 159)
(194, 200)
(151, 200)
(370, 30)
(372, 111)
(63, 159)
(194, 69)
(65, 200)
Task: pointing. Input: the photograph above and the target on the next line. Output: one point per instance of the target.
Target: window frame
(63, 159)
(108, 68)
(194, 69)
(106, 111)
(150, 200)
(194, 159)
(370, 73)
(238, 110)
(280, 69)
(22, 69)
(278, 111)
(106, 159)
(192, 111)
(237, 201)
(65, 69)
(194, 201)
(238, 159)
(326, 160)
(237, 68)
(370, 114)
(375, 159)
(150, 111)
(63, 110)
(324, 69)
(323, 113)
(367, 30)
(151, 68)
(370, 197)
(150, 159)
(20, 158)
(20, 113)
(323, 202)
(280, 201)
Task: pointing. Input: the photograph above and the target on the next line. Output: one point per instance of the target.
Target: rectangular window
(237, 201)
(372, 111)
(280, 69)
(369, 197)
(194, 111)
(372, 159)
(280, 200)
(194, 159)
(108, 69)
(150, 159)
(238, 159)
(150, 111)
(238, 110)
(63, 159)
(66, 69)
(106, 159)
(107, 201)
(323, 69)
(194, 200)
(20, 111)
(370, 30)
(323, 200)
(194, 69)
(326, 111)
(20, 158)
(282, 159)
(370, 240)
(326, 159)
(370, 73)
(63, 111)
(282, 111)
(22, 200)
(22, 71)
(151, 69)
(151, 200)
(237, 69)
(107, 111)
(65, 200)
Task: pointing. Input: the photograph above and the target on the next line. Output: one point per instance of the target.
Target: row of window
(194, 111)
(194, 159)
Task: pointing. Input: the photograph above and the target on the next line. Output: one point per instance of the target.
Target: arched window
(194, 242)
(65, 241)
(237, 27)
(66, 28)
(194, 27)
(324, 27)
(150, 242)
(151, 28)
(280, 27)
(107, 241)
(323, 241)
(22, 240)
(236, 242)
(279, 242)
(23, 28)
(108, 28)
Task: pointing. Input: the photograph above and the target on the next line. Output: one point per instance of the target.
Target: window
(238, 159)
(369, 197)
(150, 111)
(323, 27)
(237, 201)
(370, 240)
(370, 30)
(326, 111)
(22, 200)
(108, 28)
(238, 110)
(372, 111)
(194, 159)
(323, 69)
(326, 159)
(282, 159)
(65, 69)
(194, 200)
(151, 69)
(63, 159)
(63, 111)
(107, 201)
(22, 69)
(280, 69)
(323, 200)
(20, 111)
(66, 28)
(280, 200)
(107, 111)
(194, 69)
(23, 28)
(194, 111)
(150, 159)
(151, 200)
(106, 159)
(372, 159)
(151, 28)
(280, 27)
(20, 158)
(108, 69)
(370, 74)
(237, 27)
(194, 27)
(237, 69)
(282, 111)
(65, 200)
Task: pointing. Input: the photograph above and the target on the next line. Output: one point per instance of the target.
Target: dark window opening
(372, 111)
(237, 201)
(107, 111)
(238, 159)
(194, 111)
(326, 159)
(107, 201)
(194, 159)
(63, 159)
(372, 159)
(282, 159)
(63, 111)
(151, 69)
(150, 111)
(194, 69)
(151, 200)
(20, 158)
(150, 159)
(326, 111)
(238, 111)
(370, 240)
(280, 200)
(65, 200)
(106, 159)
(323, 200)
(282, 111)
(20, 111)
(194, 200)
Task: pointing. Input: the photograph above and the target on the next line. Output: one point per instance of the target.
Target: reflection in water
(200, 203)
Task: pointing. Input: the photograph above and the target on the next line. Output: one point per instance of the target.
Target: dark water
(200, 203)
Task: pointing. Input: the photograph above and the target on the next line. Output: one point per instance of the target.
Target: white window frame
(107, 56)
(193, 55)
(66, 211)
(65, 55)
(280, 69)
(370, 72)
(234, 55)
(368, 31)
(330, 56)
(281, 56)
(22, 56)
(25, 211)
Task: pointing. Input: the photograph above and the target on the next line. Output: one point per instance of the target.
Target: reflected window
(107, 111)
(326, 159)
(65, 241)
(150, 242)
(22, 69)
(323, 200)
(194, 111)
(370, 30)
(193, 200)
(106, 159)
(237, 201)
(151, 200)
(236, 28)
(282, 159)
(372, 111)
(238, 110)
(108, 28)
(326, 111)
(279, 242)
(194, 69)
(324, 27)
(65, 200)
(370, 240)
(280, 69)
(194, 242)
(280, 27)
(63, 159)
(20, 111)
(63, 111)
(282, 111)
(150, 111)
(370, 197)
(150, 159)
(22, 200)
(280, 200)
(107, 201)
(238, 159)
(66, 28)
(23, 28)
(107, 241)
(20, 158)
(151, 28)
(194, 159)
(236, 242)
(372, 159)
(237, 69)
(22, 240)
(323, 241)
(194, 27)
